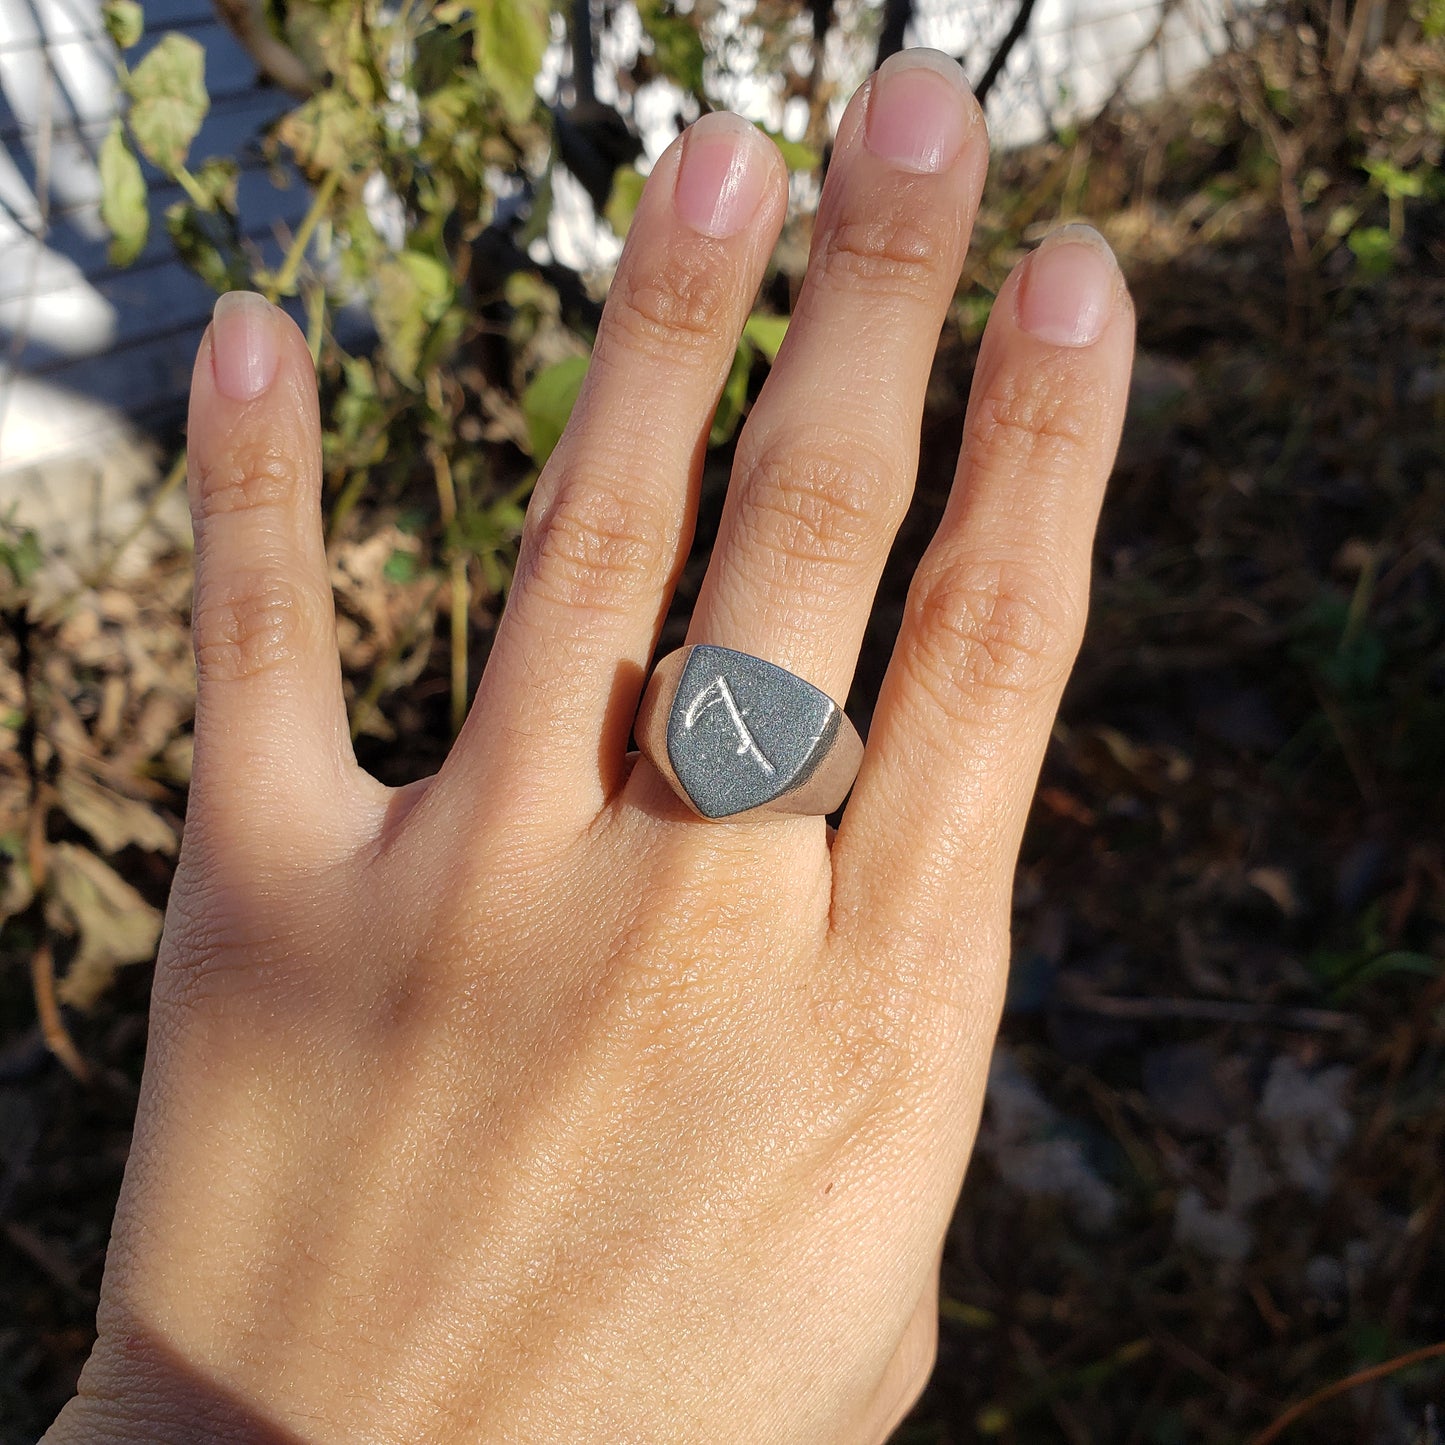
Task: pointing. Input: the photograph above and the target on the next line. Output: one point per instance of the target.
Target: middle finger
(825, 465)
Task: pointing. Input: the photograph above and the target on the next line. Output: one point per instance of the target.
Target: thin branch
(1355, 41)
(48, 1259)
(1210, 1010)
(37, 856)
(457, 563)
(281, 284)
(1166, 12)
(584, 64)
(1302, 1408)
(277, 62)
(896, 15)
(817, 93)
(177, 474)
(1012, 36)
(47, 1009)
(381, 673)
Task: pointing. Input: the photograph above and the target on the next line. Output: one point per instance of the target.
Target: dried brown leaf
(17, 887)
(116, 926)
(112, 820)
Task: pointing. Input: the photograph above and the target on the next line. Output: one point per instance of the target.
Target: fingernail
(918, 111)
(1067, 290)
(721, 174)
(244, 352)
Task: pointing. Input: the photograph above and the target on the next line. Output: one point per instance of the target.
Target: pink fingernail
(244, 349)
(1066, 293)
(721, 175)
(919, 113)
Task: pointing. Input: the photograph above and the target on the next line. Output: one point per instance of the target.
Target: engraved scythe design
(718, 691)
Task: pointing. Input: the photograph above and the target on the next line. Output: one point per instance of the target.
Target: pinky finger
(274, 770)
(995, 613)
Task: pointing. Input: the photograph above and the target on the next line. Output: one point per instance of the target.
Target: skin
(518, 1104)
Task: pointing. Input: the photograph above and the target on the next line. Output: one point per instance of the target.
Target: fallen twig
(1211, 1010)
(1340, 1387)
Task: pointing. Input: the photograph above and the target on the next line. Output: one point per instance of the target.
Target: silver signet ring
(734, 734)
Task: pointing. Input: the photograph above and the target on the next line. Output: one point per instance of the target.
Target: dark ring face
(742, 733)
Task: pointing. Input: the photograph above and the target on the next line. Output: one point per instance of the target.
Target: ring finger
(825, 466)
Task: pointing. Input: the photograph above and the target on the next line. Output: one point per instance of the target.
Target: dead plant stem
(37, 858)
(47, 1008)
(283, 281)
(1303, 1407)
(1344, 76)
(379, 674)
(173, 479)
(457, 562)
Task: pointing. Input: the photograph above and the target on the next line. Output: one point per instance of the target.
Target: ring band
(734, 734)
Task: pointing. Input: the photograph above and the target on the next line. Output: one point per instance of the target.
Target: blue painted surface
(121, 336)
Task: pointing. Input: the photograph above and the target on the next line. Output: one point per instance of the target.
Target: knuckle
(901, 1021)
(248, 475)
(685, 296)
(1027, 421)
(993, 627)
(255, 624)
(240, 932)
(899, 250)
(596, 547)
(218, 945)
(819, 504)
(905, 1019)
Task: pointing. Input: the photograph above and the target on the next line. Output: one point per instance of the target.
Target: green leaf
(766, 333)
(331, 132)
(796, 155)
(22, 557)
(969, 1316)
(203, 242)
(317, 34)
(1398, 184)
(1374, 250)
(444, 338)
(124, 22)
(358, 428)
(1421, 965)
(511, 36)
(677, 48)
(433, 282)
(413, 292)
(168, 101)
(123, 201)
(362, 251)
(734, 399)
(216, 182)
(627, 184)
(439, 58)
(973, 311)
(401, 567)
(548, 401)
(526, 291)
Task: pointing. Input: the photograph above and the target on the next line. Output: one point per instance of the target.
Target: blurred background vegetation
(1209, 1197)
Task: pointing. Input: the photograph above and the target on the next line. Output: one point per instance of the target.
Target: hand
(518, 1104)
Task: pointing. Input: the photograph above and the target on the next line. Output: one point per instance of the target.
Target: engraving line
(718, 691)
